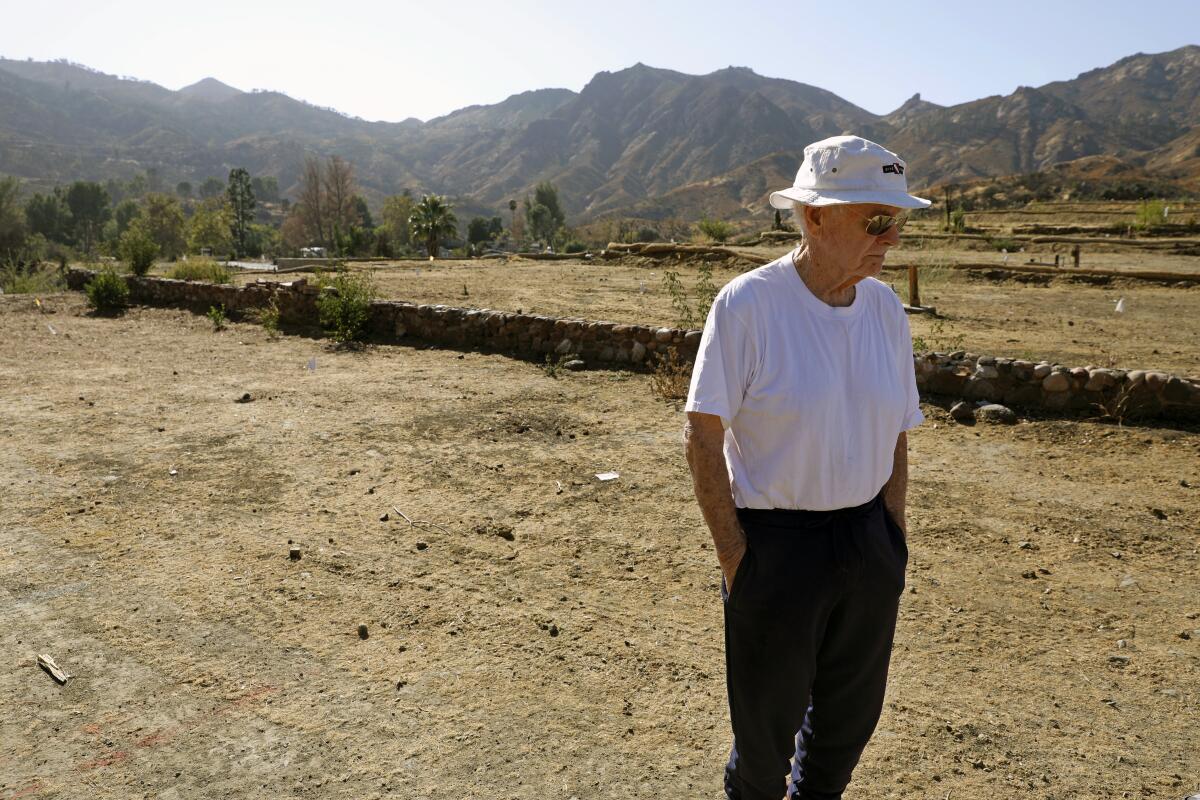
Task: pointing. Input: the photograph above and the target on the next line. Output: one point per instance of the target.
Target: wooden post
(1075, 255)
(914, 293)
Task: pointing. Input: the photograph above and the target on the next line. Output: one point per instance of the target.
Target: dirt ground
(552, 636)
(1074, 324)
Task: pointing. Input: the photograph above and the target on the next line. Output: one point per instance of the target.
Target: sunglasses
(879, 225)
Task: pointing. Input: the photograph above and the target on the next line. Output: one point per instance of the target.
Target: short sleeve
(724, 364)
(913, 415)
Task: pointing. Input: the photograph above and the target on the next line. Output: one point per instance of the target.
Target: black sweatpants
(808, 637)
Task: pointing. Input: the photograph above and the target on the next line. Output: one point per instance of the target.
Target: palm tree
(432, 220)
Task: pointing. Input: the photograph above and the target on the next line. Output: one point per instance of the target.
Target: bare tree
(312, 204)
(339, 186)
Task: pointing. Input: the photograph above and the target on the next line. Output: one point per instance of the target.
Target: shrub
(34, 279)
(137, 249)
(958, 220)
(1149, 215)
(200, 269)
(938, 339)
(574, 246)
(216, 315)
(344, 304)
(683, 309)
(553, 367)
(706, 292)
(1010, 245)
(671, 377)
(647, 235)
(269, 317)
(107, 293)
(715, 229)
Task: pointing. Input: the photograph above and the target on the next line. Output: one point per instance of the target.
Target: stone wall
(395, 320)
(1089, 391)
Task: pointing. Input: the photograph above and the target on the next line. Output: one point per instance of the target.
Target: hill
(642, 140)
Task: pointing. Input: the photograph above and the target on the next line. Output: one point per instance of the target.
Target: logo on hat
(895, 169)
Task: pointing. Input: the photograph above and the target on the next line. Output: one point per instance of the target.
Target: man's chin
(872, 267)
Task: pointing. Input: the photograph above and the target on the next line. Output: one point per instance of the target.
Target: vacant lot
(1075, 324)
(551, 636)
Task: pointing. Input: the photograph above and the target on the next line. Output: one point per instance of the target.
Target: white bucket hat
(849, 169)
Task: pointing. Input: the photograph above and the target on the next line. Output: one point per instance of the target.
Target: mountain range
(641, 141)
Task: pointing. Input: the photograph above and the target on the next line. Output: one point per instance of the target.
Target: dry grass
(671, 377)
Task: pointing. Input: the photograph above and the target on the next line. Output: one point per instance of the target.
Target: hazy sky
(391, 60)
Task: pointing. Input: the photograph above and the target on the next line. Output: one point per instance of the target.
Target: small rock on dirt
(245, 398)
(363, 633)
(384, 517)
(294, 553)
(994, 412)
(963, 412)
(575, 364)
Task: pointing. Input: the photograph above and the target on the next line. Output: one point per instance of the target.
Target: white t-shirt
(812, 397)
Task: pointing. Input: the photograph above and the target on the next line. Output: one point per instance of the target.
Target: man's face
(842, 233)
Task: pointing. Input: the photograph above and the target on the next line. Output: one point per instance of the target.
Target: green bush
(137, 249)
(107, 293)
(715, 229)
(1149, 215)
(958, 220)
(35, 279)
(269, 317)
(575, 246)
(1010, 245)
(648, 235)
(344, 304)
(216, 315)
(200, 269)
(553, 367)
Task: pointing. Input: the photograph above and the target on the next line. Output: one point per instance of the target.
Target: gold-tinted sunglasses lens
(881, 224)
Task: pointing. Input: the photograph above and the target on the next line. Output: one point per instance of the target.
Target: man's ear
(812, 217)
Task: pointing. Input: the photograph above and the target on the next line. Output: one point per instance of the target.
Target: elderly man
(802, 392)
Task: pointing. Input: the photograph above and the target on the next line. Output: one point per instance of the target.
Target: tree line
(246, 215)
(82, 218)
(330, 213)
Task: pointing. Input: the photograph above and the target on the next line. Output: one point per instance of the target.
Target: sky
(394, 60)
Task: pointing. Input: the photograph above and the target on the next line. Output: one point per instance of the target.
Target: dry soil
(535, 633)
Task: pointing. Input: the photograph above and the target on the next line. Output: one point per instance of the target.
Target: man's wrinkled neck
(825, 278)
